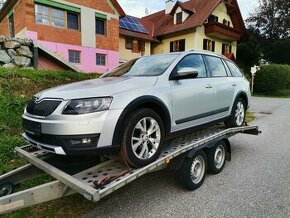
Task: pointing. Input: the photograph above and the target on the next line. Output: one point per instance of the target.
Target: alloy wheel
(146, 138)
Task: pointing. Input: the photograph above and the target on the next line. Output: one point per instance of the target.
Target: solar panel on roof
(132, 23)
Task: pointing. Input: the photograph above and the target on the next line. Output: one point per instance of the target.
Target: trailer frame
(83, 182)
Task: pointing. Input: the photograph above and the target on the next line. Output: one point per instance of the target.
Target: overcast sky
(137, 7)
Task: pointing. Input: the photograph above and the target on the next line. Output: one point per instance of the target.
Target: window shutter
(171, 46)
(182, 45)
(213, 45)
(204, 44)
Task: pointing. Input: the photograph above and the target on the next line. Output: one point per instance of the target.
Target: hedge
(272, 79)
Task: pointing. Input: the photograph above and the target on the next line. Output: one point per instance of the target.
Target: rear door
(191, 98)
(223, 87)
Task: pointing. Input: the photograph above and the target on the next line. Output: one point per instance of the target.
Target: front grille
(43, 108)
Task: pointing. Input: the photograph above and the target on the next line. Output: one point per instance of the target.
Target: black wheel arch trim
(147, 99)
(243, 93)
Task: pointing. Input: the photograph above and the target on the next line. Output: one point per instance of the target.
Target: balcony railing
(222, 31)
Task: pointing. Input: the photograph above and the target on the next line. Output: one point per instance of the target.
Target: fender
(151, 102)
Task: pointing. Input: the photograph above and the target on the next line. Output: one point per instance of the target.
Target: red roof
(199, 11)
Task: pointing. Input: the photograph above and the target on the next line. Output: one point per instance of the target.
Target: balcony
(221, 31)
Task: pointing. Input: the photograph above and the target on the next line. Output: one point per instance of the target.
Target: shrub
(271, 79)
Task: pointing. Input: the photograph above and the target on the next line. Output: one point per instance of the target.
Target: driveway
(256, 183)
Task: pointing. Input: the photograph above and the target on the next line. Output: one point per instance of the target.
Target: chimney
(169, 4)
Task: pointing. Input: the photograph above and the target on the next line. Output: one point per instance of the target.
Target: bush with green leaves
(272, 79)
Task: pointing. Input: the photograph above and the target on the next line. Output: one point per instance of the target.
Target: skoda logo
(36, 99)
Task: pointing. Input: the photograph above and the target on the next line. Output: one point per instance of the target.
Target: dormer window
(178, 17)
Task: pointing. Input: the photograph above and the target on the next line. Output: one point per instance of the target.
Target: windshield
(145, 66)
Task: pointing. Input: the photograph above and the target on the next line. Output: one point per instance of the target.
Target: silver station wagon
(135, 107)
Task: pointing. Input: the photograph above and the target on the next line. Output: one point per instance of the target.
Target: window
(226, 22)
(129, 43)
(226, 48)
(42, 14)
(56, 17)
(177, 46)
(193, 61)
(72, 21)
(234, 69)
(100, 26)
(144, 66)
(11, 26)
(74, 56)
(179, 17)
(213, 19)
(141, 46)
(101, 59)
(216, 67)
(208, 45)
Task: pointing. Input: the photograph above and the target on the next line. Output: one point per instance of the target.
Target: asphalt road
(256, 183)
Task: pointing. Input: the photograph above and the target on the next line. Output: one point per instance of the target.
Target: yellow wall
(165, 45)
(200, 35)
(221, 12)
(194, 39)
(127, 54)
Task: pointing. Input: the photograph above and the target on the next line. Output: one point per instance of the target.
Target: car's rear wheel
(238, 114)
(143, 137)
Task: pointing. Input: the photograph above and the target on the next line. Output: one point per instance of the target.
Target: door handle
(234, 84)
(208, 86)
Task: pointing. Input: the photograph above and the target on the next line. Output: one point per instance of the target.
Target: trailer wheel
(217, 158)
(6, 188)
(192, 173)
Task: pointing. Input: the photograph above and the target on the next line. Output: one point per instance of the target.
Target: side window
(193, 61)
(216, 66)
(234, 69)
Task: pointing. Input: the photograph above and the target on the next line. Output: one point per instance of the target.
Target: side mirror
(186, 73)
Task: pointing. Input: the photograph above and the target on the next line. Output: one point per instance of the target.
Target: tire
(238, 114)
(186, 175)
(6, 188)
(140, 147)
(217, 158)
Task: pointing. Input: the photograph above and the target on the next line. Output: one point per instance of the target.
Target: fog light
(86, 141)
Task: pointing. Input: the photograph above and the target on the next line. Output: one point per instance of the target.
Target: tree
(272, 18)
(249, 50)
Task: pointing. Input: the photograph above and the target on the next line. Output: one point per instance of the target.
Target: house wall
(4, 29)
(221, 12)
(164, 47)
(127, 54)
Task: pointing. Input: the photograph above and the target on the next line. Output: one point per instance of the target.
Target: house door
(11, 26)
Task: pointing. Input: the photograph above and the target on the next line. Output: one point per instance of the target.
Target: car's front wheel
(143, 137)
(238, 114)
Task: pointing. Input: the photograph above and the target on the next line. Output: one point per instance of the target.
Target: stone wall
(15, 52)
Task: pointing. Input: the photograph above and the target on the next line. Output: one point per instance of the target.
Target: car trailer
(188, 153)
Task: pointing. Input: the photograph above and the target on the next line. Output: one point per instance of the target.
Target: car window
(154, 65)
(234, 69)
(216, 66)
(193, 61)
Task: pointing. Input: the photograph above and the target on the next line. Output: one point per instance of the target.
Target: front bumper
(88, 134)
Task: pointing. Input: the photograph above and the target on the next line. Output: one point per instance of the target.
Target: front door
(11, 26)
(191, 98)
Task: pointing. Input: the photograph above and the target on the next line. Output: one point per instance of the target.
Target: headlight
(89, 105)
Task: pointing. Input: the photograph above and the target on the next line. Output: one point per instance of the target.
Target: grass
(16, 88)
(250, 117)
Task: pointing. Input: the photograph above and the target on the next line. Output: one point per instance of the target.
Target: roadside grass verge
(250, 117)
(17, 86)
